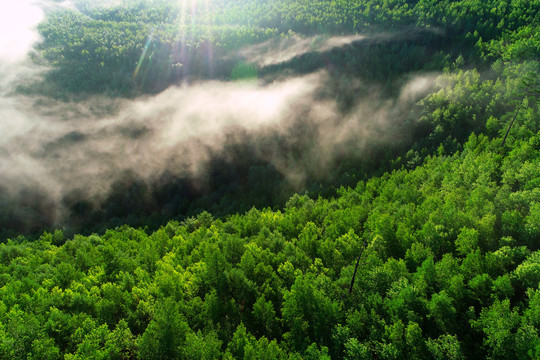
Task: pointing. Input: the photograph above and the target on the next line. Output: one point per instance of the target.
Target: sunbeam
(143, 54)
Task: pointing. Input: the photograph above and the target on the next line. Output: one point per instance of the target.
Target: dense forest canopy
(253, 179)
(95, 47)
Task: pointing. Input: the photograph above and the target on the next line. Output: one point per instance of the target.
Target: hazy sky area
(55, 147)
(18, 20)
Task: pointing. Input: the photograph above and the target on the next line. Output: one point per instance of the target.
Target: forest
(389, 210)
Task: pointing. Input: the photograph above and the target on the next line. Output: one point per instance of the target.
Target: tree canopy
(445, 232)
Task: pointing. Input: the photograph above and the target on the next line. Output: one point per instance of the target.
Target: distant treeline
(144, 46)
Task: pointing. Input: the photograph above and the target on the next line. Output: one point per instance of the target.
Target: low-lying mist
(52, 150)
(77, 163)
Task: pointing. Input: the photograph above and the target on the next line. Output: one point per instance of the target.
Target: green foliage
(437, 277)
(131, 47)
(445, 347)
(446, 241)
(165, 334)
(528, 272)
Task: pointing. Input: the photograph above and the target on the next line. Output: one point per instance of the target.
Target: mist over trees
(229, 165)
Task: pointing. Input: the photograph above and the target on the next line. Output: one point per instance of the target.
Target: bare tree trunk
(512, 123)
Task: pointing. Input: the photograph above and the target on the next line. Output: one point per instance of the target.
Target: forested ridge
(96, 49)
(426, 248)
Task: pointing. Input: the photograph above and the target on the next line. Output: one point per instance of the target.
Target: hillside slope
(448, 268)
(422, 245)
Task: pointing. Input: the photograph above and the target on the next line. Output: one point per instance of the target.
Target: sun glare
(18, 19)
